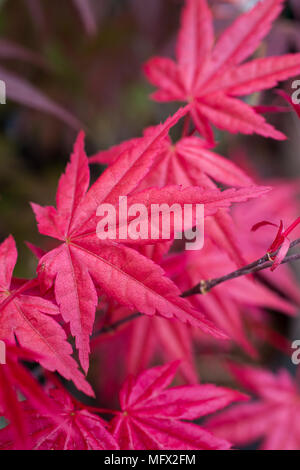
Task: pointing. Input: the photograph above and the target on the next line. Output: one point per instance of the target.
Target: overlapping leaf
(191, 162)
(14, 378)
(271, 418)
(82, 261)
(188, 162)
(155, 418)
(29, 318)
(77, 428)
(210, 76)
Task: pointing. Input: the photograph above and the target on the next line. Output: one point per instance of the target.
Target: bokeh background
(67, 67)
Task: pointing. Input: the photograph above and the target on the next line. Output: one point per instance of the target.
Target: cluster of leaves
(84, 284)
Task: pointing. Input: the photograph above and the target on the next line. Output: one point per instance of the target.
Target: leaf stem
(186, 125)
(26, 286)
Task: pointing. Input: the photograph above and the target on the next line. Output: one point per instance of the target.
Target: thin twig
(23, 288)
(205, 286)
(116, 325)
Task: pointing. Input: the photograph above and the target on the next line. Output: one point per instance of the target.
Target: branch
(116, 325)
(263, 263)
(204, 286)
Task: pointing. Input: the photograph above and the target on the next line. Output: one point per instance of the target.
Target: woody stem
(205, 286)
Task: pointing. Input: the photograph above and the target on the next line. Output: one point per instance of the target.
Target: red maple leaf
(155, 418)
(189, 162)
(77, 428)
(143, 338)
(82, 260)
(15, 378)
(29, 318)
(210, 76)
(272, 417)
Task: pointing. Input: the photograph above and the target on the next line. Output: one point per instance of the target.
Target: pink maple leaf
(77, 428)
(189, 162)
(29, 318)
(153, 418)
(272, 417)
(15, 378)
(82, 260)
(211, 76)
(143, 338)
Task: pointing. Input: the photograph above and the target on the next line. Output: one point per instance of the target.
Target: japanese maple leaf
(29, 318)
(77, 429)
(211, 76)
(153, 418)
(188, 162)
(191, 162)
(83, 261)
(15, 378)
(271, 417)
(143, 338)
